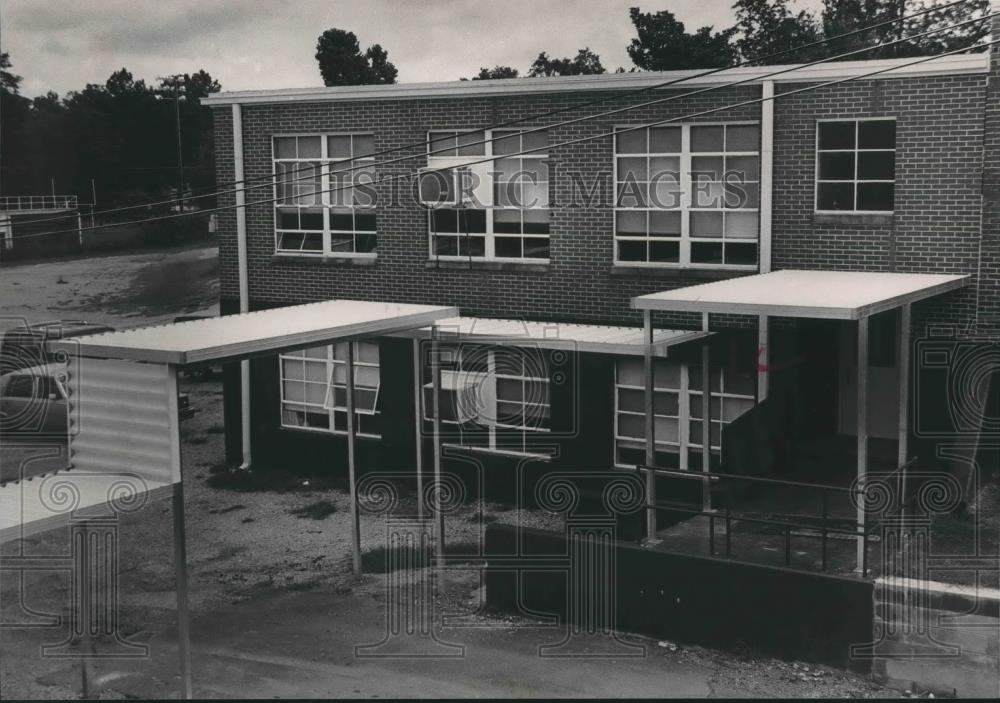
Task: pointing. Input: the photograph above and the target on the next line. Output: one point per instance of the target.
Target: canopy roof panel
(600, 339)
(249, 334)
(841, 295)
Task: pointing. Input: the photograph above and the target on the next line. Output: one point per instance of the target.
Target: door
(883, 376)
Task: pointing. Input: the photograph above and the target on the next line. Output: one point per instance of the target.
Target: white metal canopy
(234, 336)
(599, 339)
(126, 447)
(839, 295)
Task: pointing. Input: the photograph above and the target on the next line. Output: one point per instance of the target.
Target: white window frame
(687, 190)
(855, 181)
(685, 394)
(495, 445)
(326, 198)
(331, 363)
(438, 161)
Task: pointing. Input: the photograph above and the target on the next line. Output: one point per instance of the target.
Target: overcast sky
(254, 44)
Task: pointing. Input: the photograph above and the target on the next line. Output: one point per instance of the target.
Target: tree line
(118, 138)
(663, 43)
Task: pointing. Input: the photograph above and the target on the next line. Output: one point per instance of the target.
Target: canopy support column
(763, 359)
(706, 419)
(244, 279)
(181, 578)
(904, 398)
(438, 488)
(647, 338)
(351, 468)
(862, 435)
(418, 426)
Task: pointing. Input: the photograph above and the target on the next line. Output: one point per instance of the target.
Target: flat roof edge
(948, 65)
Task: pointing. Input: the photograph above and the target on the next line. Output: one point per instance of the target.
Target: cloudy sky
(252, 44)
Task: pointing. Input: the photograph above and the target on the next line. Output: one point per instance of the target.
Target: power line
(564, 143)
(268, 181)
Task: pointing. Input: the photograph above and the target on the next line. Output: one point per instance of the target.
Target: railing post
(826, 512)
(729, 532)
(711, 535)
(788, 545)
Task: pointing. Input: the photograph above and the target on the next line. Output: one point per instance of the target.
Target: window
(319, 211)
(855, 165)
(677, 404)
(493, 398)
(688, 195)
(492, 210)
(314, 389)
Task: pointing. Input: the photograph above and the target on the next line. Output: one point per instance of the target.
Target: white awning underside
(841, 295)
(600, 339)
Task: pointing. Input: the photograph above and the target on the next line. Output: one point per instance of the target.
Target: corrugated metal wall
(123, 418)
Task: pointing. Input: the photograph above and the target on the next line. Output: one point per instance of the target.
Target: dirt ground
(276, 610)
(121, 290)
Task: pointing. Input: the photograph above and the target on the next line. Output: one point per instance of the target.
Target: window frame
(856, 150)
(686, 193)
(685, 394)
(325, 196)
(330, 363)
(504, 446)
(490, 235)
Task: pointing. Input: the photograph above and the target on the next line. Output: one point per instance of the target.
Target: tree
(664, 44)
(842, 16)
(488, 74)
(342, 63)
(769, 26)
(585, 62)
(9, 82)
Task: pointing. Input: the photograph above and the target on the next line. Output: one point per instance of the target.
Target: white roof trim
(249, 334)
(599, 339)
(946, 65)
(840, 295)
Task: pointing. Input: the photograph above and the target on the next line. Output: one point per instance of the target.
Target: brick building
(892, 172)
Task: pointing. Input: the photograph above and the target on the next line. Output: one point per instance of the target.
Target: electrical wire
(268, 181)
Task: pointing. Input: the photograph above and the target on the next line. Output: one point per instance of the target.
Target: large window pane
(837, 135)
(877, 134)
(835, 196)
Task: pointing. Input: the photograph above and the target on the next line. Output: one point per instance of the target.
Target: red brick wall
(936, 227)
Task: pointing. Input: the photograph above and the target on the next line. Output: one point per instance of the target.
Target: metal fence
(31, 203)
(899, 499)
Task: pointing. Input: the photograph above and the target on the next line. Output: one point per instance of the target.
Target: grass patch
(382, 560)
(216, 429)
(197, 440)
(320, 510)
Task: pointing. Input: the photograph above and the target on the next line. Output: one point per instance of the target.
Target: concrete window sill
(678, 274)
(852, 218)
(324, 260)
(518, 266)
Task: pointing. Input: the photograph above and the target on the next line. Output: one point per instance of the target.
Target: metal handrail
(860, 530)
(702, 475)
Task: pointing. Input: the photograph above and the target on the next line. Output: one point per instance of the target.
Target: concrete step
(975, 635)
